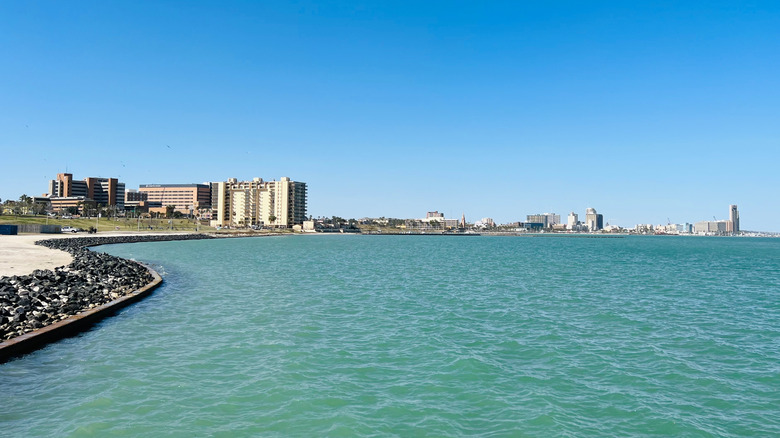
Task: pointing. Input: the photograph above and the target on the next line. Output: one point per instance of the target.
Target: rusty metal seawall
(72, 325)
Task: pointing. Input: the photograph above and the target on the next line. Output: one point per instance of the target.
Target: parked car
(69, 230)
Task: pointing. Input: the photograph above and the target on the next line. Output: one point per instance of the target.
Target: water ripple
(409, 336)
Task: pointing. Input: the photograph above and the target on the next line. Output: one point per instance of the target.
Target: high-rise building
(105, 192)
(547, 219)
(573, 220)
(593, 220)
(246, 203)
(65, 186)
(734, 218)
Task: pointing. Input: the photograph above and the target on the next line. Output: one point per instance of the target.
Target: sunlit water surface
(423, 336)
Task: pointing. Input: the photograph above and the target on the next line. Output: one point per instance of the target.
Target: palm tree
(39, 208)
(87, 208)
(26, 202)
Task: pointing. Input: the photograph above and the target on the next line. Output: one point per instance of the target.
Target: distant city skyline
(190, 197)
(646, 113)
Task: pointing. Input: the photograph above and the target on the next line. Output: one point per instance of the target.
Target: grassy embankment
(110, 224)
(132, 224)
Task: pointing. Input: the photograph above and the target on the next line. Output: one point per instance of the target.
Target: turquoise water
(423, 336)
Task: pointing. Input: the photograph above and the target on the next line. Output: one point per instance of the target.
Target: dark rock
(92, 279)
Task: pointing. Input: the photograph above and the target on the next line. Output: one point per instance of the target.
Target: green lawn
(110, 224)
(128, 224)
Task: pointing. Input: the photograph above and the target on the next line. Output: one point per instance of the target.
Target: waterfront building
(734, 218)
(186, 198)
(485, 222)
(547, 219)
(258, 203)
(572, 220)
(685, 228)
(667, 229)
(220, 208)
(593, 220)
(530, 226)
(105, 192)
(730, 226)
(643, 229)
(712, 227)
(433, 220)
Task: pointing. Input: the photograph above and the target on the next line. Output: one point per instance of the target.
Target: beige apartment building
(258, 203)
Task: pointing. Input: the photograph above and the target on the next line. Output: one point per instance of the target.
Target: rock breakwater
(29, 302)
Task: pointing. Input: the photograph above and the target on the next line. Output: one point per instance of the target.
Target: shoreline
(52, 303)
(21, 255)
(48, 305)
(74, 324)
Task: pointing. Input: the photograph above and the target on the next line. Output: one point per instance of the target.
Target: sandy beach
(19, 255)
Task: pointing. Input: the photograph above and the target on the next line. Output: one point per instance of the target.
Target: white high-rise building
(573, 219)
(246, 203)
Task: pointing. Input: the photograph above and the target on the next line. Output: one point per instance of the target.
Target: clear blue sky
(493, 109)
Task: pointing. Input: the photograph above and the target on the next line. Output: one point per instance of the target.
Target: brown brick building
(106, 192)
(186, 198)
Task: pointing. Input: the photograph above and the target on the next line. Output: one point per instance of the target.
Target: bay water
(422, 336)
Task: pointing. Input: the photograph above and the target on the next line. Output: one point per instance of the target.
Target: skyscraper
(734, 218)
(593, 220)
(243, 203)
(573, 219)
